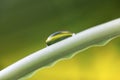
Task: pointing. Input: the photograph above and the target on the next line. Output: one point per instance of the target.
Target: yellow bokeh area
(26, 24)
(96, 63)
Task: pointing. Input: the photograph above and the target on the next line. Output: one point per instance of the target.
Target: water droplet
(58, 36)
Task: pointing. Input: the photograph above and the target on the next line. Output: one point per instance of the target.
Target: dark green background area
(25, 24)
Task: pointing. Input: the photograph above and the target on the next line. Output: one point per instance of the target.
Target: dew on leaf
(58, 36)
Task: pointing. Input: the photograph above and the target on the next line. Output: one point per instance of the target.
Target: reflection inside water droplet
(58, 36)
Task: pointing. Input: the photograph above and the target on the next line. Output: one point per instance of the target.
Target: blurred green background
(26, 24)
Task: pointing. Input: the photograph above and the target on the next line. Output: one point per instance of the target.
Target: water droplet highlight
(58, 36)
